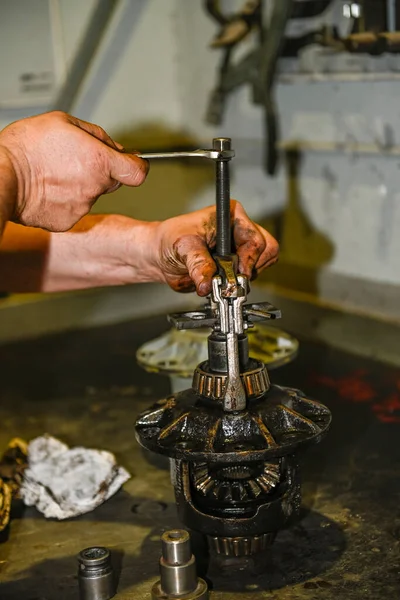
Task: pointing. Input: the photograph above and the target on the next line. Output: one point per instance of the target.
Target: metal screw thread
(223, 199)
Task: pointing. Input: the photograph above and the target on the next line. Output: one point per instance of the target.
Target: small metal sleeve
(175, 547)
(178, 578)
(95, 574)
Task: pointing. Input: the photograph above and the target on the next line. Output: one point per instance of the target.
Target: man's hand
(104, 250)
(60, 165)
(185, 243)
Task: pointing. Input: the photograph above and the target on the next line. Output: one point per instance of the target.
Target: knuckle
(101, 131)
(258, 243)
(58, 114)
(273, 246)
(195, 262)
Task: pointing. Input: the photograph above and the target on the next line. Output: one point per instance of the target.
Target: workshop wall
(130, 89)
(338, 219)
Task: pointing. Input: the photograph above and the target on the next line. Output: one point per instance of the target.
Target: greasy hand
(62, 165)
(185, 243)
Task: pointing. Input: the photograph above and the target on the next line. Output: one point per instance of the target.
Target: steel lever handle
(209, 154)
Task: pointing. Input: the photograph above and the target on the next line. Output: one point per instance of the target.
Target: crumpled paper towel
(62, 482)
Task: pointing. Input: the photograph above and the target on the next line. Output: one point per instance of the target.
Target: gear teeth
(272, 473)
(236, 483)
(265, 483)
(205, 484)
(253, 489)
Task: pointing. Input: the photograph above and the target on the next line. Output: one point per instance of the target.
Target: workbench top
(85, 388)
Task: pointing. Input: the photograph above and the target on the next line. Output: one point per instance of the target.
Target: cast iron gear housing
(233, 439)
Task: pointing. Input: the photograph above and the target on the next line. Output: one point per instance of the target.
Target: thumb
(128, 169)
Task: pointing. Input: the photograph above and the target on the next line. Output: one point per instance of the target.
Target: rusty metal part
(178, 577)
(229, 292)
(234, 483)
(232, 437)
(228, 517)
(240, 546)
(229, 289)
(213, 385)
(95, 574)
(5, 504)
(189, 427)
(13, 464)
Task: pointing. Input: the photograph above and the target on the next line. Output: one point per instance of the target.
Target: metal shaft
(175, 547)
(223, 200)
(178, 570)
(177, 564)
(214, 154)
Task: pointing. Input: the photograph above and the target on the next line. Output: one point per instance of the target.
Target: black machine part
(233, 437)
(191, 427)
(235, 474)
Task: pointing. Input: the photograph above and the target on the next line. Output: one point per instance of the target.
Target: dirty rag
(63, 482)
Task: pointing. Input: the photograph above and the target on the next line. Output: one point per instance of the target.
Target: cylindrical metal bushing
(95, 574)
(217, 354)
(175, 547)
(178, 578)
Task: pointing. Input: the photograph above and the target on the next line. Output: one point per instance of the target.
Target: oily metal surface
(85, 388)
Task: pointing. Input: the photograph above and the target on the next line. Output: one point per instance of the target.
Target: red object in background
(356, 388)
(352, 387)
(388, 411)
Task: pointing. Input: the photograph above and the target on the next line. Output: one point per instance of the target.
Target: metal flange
(279, 423)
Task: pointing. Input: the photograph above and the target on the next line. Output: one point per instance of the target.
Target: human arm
(103, 250)
(8, 189)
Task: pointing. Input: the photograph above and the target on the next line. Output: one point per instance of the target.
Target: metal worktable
(85, 388)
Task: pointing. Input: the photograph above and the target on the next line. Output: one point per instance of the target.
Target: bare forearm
(101, 250)
(23, 258)
(8, 188)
